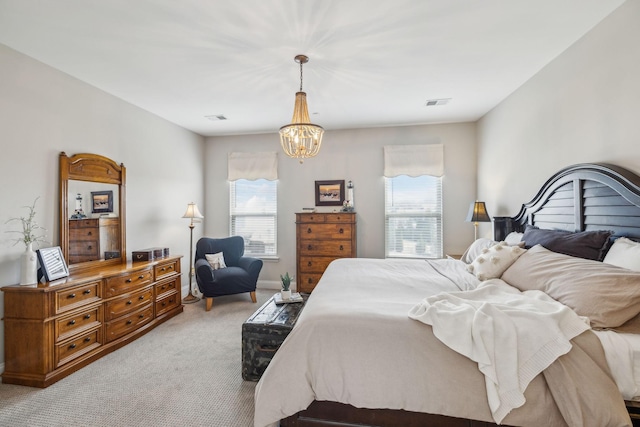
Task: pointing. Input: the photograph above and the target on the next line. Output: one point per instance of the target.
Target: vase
(29, 267)
(286, 295)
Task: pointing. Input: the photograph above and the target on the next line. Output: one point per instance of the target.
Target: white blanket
(481, 323)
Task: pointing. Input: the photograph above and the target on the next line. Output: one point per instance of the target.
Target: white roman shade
(413, 160)
(252, 166)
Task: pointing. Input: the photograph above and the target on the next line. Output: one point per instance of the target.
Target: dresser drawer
(307, 281)
(311, 218)
(166, 287)
(76, 224)
(316, 264)
(167, 302)
(326, 231)
(122, 326)
(335, 248)
(68, 299)
(82, 234)
(68, 326)
(127, 303)
(165, 269)
(69, 350)
(121, 284)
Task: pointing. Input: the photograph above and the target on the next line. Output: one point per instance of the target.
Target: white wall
(355, 155)
(44, 112)
(583, 107)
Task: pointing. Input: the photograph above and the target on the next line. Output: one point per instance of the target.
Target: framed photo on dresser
(52, 263)
(330, 193)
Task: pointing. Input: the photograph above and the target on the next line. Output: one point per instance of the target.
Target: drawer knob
(164, 303)
(162, 269)
(309, 281)
(72, 322)
(89, 247)
(171, 267)
(141, 316)
(163, 287)
(341, 231)
(87, 291)
(87, 316)
(309, 264)
(309, 230)
(309, 247)
(141, 276)
(87, 339)
(72, 346)
(141, 297)
(70, 296)
(128, 280)
(129, 302)
(129, 322)
(89, 233)
(341, 248)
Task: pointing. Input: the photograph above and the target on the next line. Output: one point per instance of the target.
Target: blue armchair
(240, 275)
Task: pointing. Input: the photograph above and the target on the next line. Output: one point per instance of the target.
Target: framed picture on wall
(102, 201)
(330, 193)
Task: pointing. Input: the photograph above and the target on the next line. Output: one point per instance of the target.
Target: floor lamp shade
(191, 213)
(477, 213)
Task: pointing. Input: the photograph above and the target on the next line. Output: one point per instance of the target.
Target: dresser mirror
(92, 211)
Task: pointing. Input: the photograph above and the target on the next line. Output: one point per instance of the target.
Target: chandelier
(301, 139)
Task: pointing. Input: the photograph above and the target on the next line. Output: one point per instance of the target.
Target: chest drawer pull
(128, 280)
(309, 230)
(89, 233)
(141, 316)
(141, 297)
(141, 277)
(341, 248)
(87, 316)
(87, 291)
(341, 231)
(87, 339)
(71, 296)
(72, 322)
(129, 302)
(72, 346)
(309, 280)
(162, 269)
(309, 264)
(309, 247)
(129, 322)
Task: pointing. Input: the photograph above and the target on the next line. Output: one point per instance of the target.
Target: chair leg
(209, 303)
(253, 296)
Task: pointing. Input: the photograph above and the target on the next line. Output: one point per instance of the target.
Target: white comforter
(354, 343)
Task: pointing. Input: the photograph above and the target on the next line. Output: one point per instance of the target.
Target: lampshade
(192, 211)
(301, 139)
(478, 213)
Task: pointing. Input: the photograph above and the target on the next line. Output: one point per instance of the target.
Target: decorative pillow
(583, 244)
(514, 239)
(216, 260)
(476, 249)
(624, 253)
(608, 295)
(493, 261)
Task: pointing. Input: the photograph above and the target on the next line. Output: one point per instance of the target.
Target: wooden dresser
(53, 329)
(321, 238)
(90, 238)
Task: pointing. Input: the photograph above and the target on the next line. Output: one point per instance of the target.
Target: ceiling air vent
(216, 117)
(441, 101)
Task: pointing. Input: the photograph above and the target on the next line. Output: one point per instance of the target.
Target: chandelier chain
(300, 76)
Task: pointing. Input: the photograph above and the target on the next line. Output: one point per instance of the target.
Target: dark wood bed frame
(582, 197)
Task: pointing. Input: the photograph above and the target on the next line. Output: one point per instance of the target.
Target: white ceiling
(372, 62)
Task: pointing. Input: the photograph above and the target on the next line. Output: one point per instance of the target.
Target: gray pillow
(583, 244)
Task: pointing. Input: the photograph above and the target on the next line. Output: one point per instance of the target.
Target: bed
(355, 357)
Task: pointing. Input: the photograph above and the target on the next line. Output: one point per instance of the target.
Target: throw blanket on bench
(512, 335)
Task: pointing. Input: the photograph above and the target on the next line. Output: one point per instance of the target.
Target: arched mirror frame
(91, 168)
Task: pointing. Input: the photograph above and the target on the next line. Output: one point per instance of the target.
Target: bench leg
(209, 303)
(253, 296)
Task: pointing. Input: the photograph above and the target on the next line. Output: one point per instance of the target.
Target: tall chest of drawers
(321, 238)
(53, 329)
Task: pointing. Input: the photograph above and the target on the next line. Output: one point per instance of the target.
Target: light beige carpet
(186, 372)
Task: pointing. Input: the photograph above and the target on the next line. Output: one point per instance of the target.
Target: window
(253, 210)
(413, 217)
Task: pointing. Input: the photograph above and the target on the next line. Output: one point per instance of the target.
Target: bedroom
(582, 107)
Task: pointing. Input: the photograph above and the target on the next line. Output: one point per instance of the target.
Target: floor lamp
(192, 212)
(477, 213)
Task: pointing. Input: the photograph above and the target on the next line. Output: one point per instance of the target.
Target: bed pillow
(583, 244)
(608, 295)
(514, 239)
(624, 253)
(476, 249)
(216, 260)
(493, 261)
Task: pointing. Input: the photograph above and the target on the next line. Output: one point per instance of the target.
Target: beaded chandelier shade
(301, 139)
